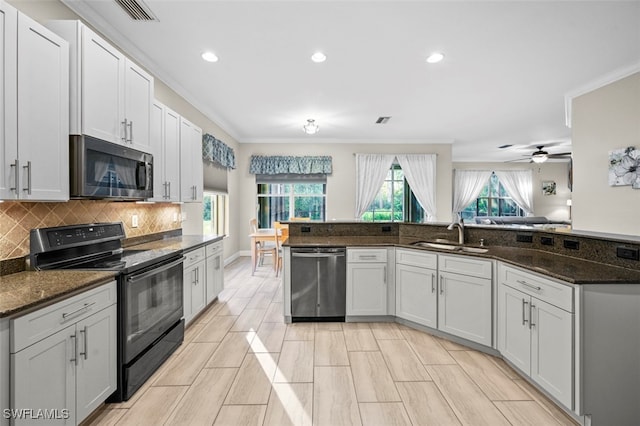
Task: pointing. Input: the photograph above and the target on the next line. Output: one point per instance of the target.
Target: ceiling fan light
(539, 157)
(311, 127)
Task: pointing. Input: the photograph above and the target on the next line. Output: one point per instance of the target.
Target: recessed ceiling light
(318, 57)
(210, 57)
(435, 57)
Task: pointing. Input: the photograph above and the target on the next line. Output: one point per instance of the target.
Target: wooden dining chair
(263, 247)
(282, 233)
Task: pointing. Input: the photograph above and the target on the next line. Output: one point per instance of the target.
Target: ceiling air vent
(382, 120)
(137, 10)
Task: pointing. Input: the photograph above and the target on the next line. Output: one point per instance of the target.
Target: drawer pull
(531, 286)
(85, 307)
(367, 256)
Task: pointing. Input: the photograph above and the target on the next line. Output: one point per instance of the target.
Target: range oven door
(151, 305)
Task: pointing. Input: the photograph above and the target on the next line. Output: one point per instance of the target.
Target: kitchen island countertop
(565, 268)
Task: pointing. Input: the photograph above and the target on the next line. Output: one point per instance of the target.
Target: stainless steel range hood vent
(137, 10)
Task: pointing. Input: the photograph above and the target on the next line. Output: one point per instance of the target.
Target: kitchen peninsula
(556, 305)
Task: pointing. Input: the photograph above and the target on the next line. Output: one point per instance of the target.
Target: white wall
(603, 120)
(552, 206)
(341, 183)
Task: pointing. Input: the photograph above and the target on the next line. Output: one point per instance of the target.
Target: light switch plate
(134, 221)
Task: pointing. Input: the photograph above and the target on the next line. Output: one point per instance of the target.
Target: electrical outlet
(524, 238)
(546, 241)
(175, 217)
(184, 216)
(630, 253)
(134, 221)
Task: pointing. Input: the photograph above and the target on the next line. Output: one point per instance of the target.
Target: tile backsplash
(18, 218)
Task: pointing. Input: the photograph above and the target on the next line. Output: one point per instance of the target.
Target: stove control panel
(70, 236)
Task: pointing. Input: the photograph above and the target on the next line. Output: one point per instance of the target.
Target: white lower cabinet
(214, 270)
(416, 282)
(535, 335)
(194, 284)
(465, 301)
(70, 371)
(366, 282)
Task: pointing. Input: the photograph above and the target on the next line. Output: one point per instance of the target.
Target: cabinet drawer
(465, 266)
(419, 258)
(35, 326)
(552, 292)
(194, 256)
(213, 249)
(366, 255)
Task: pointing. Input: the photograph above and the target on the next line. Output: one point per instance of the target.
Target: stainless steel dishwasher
(318, 284)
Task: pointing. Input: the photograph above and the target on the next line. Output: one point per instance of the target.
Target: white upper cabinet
(8, 99)
(35, 110)
(191, 178)
(165, 145)
(111, 97)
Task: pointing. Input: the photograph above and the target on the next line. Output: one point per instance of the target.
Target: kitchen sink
(450, 247)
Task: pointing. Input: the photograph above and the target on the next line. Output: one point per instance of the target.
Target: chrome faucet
(460, 226)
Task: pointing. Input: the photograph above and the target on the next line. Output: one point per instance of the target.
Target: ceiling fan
(540, 156)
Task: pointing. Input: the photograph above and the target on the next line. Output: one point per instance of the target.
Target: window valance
(272, 165)
(216, 151)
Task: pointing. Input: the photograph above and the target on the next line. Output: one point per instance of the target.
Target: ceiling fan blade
(560, 154)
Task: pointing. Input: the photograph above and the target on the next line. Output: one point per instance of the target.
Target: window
(215, 213)
(284, 200)
(395, 202)
(492, 201)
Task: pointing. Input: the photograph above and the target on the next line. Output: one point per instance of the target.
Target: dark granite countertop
(565, 268)
(183, 242)
(25, 290)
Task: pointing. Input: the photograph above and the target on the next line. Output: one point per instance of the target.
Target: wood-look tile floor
(241, 365)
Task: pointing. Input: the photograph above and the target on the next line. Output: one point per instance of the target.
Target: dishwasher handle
(316, 255)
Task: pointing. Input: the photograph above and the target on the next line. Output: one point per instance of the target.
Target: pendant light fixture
(311, 127)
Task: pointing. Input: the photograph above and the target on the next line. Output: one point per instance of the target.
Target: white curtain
(466, 188)
(420, 172)
(371, 169)
(519, 185)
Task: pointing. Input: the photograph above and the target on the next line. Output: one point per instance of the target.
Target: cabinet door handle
(75, 349)
(524, 319)
(16, 176)
(124, 128)
(131, 131)
(433, 283)
(85, 351)
(28, 167)
(531, 286)
(441, 285)
(384, 274)
(169, 193)
(531, 309)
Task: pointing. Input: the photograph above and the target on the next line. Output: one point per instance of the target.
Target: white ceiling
(507, 68)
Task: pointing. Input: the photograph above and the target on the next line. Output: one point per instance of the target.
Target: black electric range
(150, 292)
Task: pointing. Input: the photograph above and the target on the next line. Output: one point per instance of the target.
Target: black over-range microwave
(100, 169)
